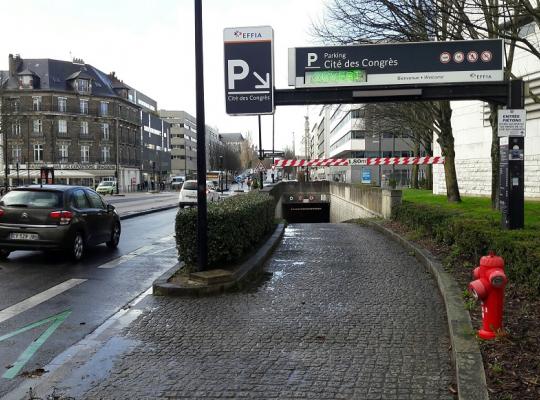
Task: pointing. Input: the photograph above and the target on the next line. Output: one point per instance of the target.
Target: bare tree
(412, 117)
(372, 21)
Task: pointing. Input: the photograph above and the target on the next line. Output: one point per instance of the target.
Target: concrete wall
(346, 201)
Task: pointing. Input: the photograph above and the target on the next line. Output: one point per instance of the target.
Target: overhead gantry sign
(375, 73)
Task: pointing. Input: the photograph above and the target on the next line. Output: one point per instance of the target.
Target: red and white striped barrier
(404, 160)
(320, 162)
(330, 162)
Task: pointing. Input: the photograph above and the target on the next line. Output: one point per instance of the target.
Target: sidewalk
(344, 313)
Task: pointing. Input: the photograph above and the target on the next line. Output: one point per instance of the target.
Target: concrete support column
(390, 200)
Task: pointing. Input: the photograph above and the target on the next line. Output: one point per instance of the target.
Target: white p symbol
(232, 64)
(311, 58)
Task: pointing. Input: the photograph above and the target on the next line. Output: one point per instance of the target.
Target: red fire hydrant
(488, 287)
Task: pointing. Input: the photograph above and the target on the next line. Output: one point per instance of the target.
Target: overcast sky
(150, 45)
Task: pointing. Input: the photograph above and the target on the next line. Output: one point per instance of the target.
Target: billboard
(397, 64)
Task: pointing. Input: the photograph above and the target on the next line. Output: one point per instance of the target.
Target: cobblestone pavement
(346, 314)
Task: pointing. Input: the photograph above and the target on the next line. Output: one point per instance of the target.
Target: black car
(56, 217)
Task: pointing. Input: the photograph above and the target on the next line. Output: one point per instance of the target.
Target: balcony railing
(75, 110)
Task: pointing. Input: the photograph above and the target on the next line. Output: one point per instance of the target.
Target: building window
(388, 135)
(62, 126)
(358, 135)
(83, 85)
(26, 81)
(84, 106)
(38, 152)
(36, 103)
(63, 152)
(104, 108)
(38, 126)
(105, 131)
(16, 105)
(85, 154)
(358, 113)
(84, 127)
(106, 154)
(16, 128)
(16, 153)
(62, 104)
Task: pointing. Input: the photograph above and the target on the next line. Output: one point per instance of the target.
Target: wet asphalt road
(96, 295)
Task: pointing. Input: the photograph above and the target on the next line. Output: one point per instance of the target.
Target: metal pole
(117, 149)
(185, 158)
(202, 233)
(18, 181)
(261, 156)
(273, 149)
(380, 155)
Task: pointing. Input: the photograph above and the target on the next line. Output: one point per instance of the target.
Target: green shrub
(470, 238)
(236, 225)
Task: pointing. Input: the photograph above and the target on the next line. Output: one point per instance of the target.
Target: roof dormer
(28, 79)
(81, 82)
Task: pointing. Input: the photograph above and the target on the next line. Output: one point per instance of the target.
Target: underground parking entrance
(301, 207)
(307, 213)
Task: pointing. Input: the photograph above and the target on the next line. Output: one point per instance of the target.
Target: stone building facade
(71, 116)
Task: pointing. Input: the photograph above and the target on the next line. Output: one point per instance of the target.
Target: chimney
(12, 67)
(14, 64)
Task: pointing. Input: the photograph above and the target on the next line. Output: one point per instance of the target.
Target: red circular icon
(459, 56)
(486, 56)
(472, 56)
(445, 57)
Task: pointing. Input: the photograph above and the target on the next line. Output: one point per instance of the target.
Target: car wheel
(4, 254)
(77, 247)
(181, 205)
(115, 237)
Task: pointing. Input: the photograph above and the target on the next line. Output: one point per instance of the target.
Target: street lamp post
(117, 125)
(202, 219)
(221, 174)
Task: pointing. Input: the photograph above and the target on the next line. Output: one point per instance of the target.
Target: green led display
(341, 77)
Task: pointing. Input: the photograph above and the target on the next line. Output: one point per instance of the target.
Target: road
(79, 297)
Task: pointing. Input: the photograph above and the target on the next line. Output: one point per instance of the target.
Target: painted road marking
(141, 250)
(163, 250)
(126, 257)
(27, 354)
(39, 298)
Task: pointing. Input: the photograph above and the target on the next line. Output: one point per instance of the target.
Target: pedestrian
(248, 181)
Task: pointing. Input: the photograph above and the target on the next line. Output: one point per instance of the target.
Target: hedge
(236, 226)
(471, 238)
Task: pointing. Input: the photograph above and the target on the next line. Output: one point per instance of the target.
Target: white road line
(33, 301)
(126, 257)
(165, 239)
(163, 250)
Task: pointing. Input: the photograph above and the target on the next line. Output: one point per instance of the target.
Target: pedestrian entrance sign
(512, 122)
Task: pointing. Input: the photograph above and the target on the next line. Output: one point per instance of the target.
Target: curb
(466, 356)
(161, 286)
(149, 211)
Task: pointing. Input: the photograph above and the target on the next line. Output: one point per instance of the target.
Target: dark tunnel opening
(307, 213)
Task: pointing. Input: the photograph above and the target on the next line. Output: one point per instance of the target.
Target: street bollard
(488, 287)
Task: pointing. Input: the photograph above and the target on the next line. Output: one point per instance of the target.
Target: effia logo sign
(247, 35)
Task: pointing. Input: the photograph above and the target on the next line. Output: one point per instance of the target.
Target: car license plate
(192, 196)
(23, 236)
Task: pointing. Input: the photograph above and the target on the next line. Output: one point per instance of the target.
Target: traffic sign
(249, 70)
(274, 154)
(512, 122)
(397, 63)
(261, 167)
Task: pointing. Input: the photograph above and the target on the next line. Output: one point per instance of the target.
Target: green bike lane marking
(28, 353)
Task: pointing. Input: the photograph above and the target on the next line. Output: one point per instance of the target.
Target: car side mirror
(110, 208)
